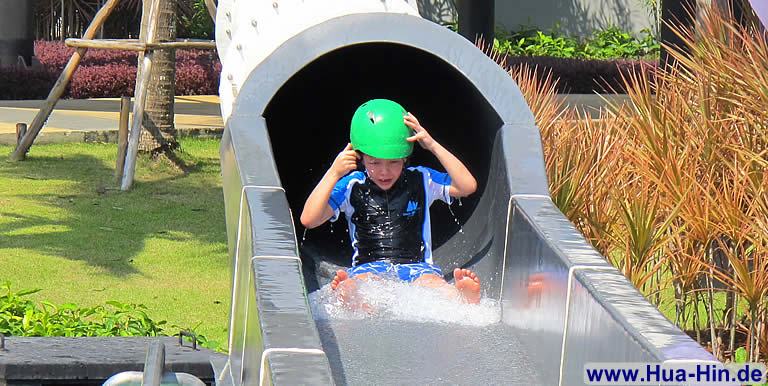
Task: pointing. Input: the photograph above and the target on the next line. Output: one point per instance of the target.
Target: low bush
(610, 43)
(599, 65)
(105, 73)
(533, 42)
(615, 43)
(20, 316)
(103, 81)
(585, 76)
(194, 79)
(25, 84)
(54, 55)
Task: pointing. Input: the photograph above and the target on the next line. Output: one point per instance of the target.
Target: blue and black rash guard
(390, 225)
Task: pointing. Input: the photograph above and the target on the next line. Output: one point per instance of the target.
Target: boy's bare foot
(341, 275)
(347, 289)
(348, 292)
(468, 285)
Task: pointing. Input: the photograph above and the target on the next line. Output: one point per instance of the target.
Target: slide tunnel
(287, 116)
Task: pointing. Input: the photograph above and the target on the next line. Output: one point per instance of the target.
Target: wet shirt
(394, 224)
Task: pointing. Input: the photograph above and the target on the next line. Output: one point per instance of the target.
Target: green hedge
(610, 43)
(20, 316)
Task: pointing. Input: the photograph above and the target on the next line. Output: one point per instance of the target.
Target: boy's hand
(420, 134)
(345, 162)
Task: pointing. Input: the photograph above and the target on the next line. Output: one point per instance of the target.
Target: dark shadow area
(99, 225)
(331, 347)
(309, 118)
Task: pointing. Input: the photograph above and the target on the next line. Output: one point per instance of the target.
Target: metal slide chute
(562, 304)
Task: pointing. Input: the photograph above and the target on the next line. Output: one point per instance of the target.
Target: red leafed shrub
(107, 73)
(25, 84)
(55, 55)
(105, 81)
(52, 55)
(194, 79)
(196, 56)
(197, 72)
(102, 57)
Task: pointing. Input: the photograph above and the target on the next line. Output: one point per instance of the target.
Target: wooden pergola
(145, 45)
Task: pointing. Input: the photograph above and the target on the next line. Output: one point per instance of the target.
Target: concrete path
(97, 119)
(592, 104)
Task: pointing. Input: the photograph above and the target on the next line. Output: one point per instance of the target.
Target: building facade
(571, 17)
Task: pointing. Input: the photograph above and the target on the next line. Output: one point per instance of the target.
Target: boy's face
(383, 172)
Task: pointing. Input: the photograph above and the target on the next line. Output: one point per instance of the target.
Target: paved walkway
(97, 119)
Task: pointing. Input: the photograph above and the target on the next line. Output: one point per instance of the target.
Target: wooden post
(147, 35)
(101, 29)
(122, 137)
(211, 9)
(136, 45)
(61, 83)
(21, 130)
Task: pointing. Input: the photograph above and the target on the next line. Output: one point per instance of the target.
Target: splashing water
(396, 300)
(455, 218)
(389, 221)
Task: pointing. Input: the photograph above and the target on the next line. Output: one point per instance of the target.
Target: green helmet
(377, 129)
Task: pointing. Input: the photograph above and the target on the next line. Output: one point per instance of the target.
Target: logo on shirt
(410, 210)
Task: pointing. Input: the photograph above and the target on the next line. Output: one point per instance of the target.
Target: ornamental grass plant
(672, 187)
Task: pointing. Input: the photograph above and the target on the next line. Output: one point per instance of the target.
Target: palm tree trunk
(159, 134)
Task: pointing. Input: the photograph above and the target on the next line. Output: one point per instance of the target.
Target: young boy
(387, 206)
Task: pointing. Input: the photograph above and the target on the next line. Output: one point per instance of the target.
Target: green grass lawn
(66, 230)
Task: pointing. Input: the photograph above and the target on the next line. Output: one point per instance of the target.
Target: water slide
(293, 73)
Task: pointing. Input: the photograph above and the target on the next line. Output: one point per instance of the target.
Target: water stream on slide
(416, 336)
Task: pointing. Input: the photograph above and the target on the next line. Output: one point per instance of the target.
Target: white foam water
(396, 300)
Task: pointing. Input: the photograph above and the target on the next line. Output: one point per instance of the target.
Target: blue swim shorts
(405, 272)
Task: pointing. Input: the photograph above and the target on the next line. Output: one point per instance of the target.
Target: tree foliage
(72, 17)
